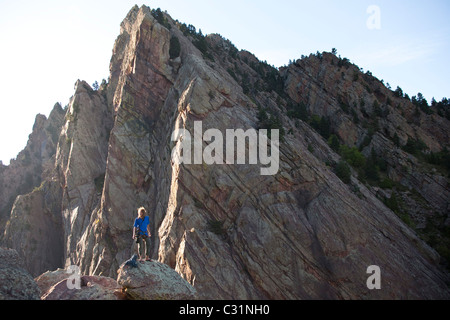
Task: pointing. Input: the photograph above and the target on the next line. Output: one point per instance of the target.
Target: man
(141, 232)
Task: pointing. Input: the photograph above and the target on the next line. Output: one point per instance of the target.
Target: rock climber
(141, 233)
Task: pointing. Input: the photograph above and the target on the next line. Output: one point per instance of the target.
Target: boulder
(48, 279)
(15, 282)
(91, 288)
(60, 285)
(152, 280)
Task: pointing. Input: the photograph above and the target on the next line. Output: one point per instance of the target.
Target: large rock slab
(48, 279)
(66, 285)
(91, 288)
(153, 280)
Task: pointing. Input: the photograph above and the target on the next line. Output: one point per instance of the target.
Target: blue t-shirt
(142, 225)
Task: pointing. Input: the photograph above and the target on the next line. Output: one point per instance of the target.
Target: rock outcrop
(229, 231)
(149, 280)
(80, 163)
(91, 288)
(33, 164)
(152, 280)
(48, 279)
(364, 113)
(15, 282)
(35, 228)
(401, 133)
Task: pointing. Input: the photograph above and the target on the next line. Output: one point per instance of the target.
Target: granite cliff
(307, 232)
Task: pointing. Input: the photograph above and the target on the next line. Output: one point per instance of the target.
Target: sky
(47, 45)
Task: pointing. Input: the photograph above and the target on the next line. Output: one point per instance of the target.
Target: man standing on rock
(141, 232)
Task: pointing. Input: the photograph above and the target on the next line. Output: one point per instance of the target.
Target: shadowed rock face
(35, 229)
(226, 229)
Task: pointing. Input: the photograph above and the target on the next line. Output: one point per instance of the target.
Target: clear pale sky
(47, 45)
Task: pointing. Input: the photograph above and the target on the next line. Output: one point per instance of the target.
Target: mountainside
(362, 180)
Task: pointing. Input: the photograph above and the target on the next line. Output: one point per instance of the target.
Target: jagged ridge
(230, 232)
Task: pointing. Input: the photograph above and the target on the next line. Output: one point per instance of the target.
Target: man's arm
(148, 231)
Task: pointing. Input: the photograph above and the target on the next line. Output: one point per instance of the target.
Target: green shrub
(352, 156)
(396, 140)
(372, 167)
(298, 111)
(441, 158)
(321, 125)
(414, 146)
(175, 48)
(377, 109)
(99, 183)
(392, 203)
(216, 227)
(333, 142)
(343, 172)
(159, 16)
(201, 44)
(396, 205)
(371, 171)
(270, 121)
(398, 92)
(367, 140)
(387, 184)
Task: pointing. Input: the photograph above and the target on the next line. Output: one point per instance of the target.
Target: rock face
(363, 113)
(152, 280)
(15, 282)
(229, 231)
(30, 205)
(360, 107)
(35, 228)
(80, 163)
(33, 165)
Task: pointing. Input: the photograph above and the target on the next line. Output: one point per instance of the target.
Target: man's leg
(141, 248)
(147, 248)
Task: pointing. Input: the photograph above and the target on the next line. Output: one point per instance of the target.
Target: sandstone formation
(229, 231)
(152, 280)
